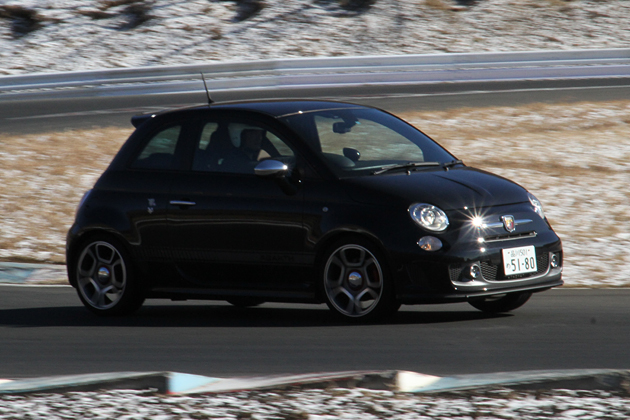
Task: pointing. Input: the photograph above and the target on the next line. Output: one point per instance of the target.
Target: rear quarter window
(159, 151)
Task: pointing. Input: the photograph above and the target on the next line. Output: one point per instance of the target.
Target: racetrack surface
(45, 331)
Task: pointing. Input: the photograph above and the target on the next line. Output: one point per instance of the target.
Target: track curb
(175, 383)
(33, 273)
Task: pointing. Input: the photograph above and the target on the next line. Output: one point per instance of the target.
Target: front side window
(159, 152)
(237, 147)
(360, 141)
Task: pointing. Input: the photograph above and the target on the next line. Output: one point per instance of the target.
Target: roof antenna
(210, 101)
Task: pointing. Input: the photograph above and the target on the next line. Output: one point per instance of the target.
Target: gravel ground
(320, 405)
(68, 35)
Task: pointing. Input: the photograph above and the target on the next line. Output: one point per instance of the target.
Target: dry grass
(439, 4)
(42, 179)
(574, 157)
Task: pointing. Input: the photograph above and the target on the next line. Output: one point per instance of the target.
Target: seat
(219, 147)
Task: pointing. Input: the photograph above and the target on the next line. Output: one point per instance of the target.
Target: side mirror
(352, 154)
(271, 168)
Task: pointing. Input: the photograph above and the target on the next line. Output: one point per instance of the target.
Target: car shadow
(222, 317)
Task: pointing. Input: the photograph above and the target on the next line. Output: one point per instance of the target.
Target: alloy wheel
(353, 280)
(101, 275)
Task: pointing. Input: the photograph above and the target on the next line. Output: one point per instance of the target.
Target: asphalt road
(46, 331)
(35, 115)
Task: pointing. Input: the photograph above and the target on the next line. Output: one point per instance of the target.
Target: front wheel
(501, 303)
(356, 282)
(104, 278)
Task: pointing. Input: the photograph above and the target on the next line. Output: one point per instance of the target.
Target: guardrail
(326, 72)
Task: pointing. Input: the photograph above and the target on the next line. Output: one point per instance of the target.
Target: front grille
(494, 272)
(489, 271)
(542, 263)
(455, 271)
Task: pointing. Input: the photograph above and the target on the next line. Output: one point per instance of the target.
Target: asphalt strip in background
(187, 384)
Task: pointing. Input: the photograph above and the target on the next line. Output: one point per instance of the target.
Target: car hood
(453, 189)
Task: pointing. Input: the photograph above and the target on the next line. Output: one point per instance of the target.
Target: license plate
(519, 260)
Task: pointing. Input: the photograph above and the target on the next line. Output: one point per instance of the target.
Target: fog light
(430, 243)
(475, 271)
(555, 261)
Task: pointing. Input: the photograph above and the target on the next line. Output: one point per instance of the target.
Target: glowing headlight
(537, 206)
(429, 217)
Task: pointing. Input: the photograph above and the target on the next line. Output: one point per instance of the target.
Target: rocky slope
(67, 35)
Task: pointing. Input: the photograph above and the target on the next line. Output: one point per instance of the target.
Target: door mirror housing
(352, 154)
(271, 168)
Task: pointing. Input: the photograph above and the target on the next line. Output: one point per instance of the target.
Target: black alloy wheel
(356, 282)
(104, 278)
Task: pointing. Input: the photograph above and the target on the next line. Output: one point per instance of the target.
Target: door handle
(182, 203)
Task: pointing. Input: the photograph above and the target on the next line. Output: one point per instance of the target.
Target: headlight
(428, 217)
(537, 206)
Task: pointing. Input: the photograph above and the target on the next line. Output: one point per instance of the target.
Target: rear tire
(355, 281)
(501, 303)
(104, 278)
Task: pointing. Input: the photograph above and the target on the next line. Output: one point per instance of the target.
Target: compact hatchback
(304, 201)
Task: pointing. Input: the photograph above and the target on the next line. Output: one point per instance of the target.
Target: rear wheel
(104, 278)
(501, 303)
(356, 282)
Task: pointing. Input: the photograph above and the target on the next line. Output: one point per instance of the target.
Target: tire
(501, 303)
(355, 281)
(245, 302)
(105, 279)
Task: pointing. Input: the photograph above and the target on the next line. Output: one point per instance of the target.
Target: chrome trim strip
(500, 224)
(515, 238)
(182, 203)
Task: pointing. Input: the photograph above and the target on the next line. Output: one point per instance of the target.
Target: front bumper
(445, 275)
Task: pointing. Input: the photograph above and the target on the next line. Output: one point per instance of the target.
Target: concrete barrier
(399, 381)
(36, 274)
(324, 73)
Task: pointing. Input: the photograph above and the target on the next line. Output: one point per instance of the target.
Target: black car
(304, 201)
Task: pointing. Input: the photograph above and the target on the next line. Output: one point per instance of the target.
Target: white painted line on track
(33, 285)
(478, 92)
(102, 112)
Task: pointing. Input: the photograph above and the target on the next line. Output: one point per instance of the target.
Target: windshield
(363, 141)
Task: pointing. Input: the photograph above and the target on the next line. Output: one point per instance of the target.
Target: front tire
(501, 303)
(356, 282)
(104, 278)
(245, 302)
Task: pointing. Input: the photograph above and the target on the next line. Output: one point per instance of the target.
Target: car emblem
(151, 205)
(508, 223)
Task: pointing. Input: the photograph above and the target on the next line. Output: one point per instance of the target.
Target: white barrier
(327, 72)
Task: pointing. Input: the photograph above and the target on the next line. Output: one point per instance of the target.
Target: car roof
(273, 108)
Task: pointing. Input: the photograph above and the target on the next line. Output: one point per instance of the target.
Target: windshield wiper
(408, 166)
(448, 165)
